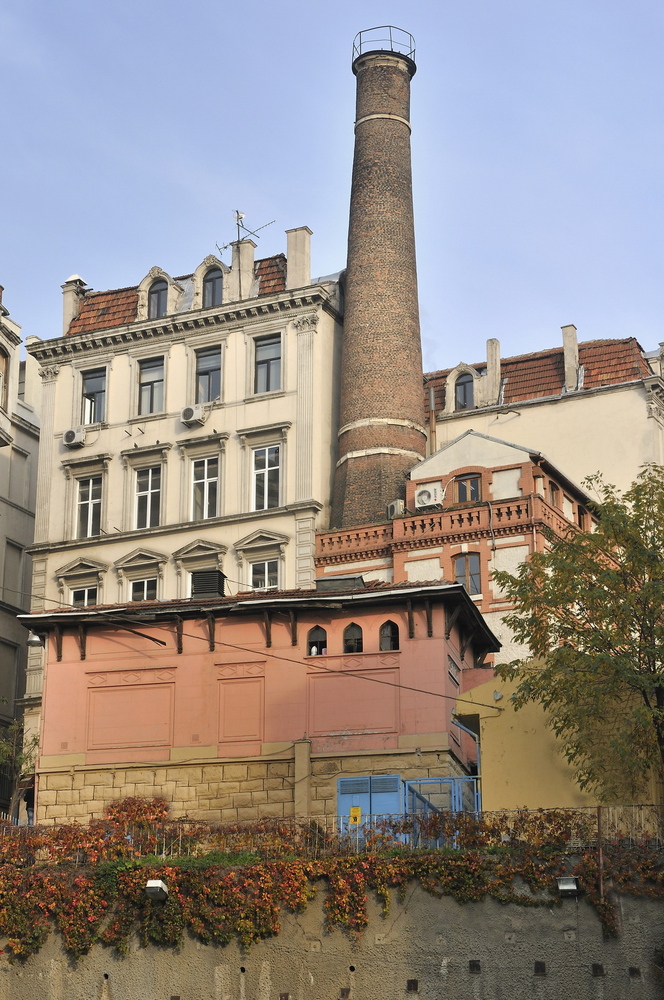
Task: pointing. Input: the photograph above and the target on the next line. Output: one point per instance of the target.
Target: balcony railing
(420, 529)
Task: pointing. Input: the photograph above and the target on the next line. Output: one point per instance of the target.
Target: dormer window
(212, 288)
(157, 299)
(463, 392)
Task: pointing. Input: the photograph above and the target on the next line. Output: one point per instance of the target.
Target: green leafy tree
(18, 751)
(591, 611)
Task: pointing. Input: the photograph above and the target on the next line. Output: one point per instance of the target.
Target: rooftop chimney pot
(298, 256)
(73, 293)
(571, 358)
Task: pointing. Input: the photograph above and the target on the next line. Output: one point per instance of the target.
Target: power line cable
(120, 620)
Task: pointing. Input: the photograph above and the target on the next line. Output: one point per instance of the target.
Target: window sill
(147, 416)
(272, 394)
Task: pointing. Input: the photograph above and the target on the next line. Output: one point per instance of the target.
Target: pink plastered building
(260, 705)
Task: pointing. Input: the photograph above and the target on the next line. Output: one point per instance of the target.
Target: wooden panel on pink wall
(130, 716)
(354, 703)
(241, 709)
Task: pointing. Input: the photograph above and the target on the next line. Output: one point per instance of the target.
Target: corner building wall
(381, 414)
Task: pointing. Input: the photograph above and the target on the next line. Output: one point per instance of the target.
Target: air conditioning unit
(74, 437)
(429, 495)
(395, 509)
(193, 414)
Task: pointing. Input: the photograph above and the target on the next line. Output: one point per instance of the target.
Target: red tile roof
(536, 376)
(103, 310)
(118, 306)
(271, 274)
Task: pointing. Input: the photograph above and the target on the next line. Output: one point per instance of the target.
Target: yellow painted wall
(521, 760)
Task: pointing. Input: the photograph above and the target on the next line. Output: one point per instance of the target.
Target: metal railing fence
(569, 830)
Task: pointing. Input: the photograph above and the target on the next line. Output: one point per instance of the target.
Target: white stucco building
(19, 441)
(187, 428)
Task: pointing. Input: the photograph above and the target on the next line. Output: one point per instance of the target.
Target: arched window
(157, 298)
(463, 392)
(389, 636)
(467, 572)
(4, 378)
(316, 641)
(212, 286)
(352, 639)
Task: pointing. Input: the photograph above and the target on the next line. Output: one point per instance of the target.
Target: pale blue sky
(132, 129)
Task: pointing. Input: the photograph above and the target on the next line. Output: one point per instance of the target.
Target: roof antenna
(243, 231)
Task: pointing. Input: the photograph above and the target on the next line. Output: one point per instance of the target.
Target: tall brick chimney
(382, 432)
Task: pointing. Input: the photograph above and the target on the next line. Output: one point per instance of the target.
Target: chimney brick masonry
(381, 432)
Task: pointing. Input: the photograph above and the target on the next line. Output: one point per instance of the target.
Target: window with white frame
(151, 385)
(267, 364)
(89, 507)
(266, 477)
(265, 574)
(84, 597)
(144, 590)
(205, 488)
(208, 374)
(148, 497)
(93, 395)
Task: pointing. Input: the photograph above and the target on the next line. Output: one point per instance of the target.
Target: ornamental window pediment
(210, 283)
(158, 295)
(461, 389)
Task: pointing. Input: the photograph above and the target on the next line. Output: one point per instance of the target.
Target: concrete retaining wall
(425, 939)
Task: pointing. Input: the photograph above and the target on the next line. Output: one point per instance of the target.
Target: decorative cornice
(138, 534)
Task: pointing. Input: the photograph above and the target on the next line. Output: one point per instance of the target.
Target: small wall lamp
(568, 885)
(156, 889)
(34, 639)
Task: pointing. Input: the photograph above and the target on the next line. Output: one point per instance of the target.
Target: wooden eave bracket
(292, 616)
(210, 628)
(451, 619)
(411, 620)
(82, 640)
(57, 631)
(267, 622)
